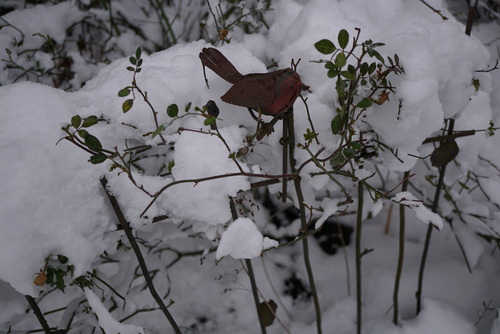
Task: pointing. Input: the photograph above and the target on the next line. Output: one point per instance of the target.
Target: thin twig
(300, 199)
(138, 254)
(359, 222)
(39, 314)
(401, 254)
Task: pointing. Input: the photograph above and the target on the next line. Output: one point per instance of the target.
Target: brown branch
(213, 177)
(38, 314)
(142, 263)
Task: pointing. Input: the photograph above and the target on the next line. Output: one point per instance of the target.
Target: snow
(53, 202)
(241, 240)
(106, 320)
(425, 215)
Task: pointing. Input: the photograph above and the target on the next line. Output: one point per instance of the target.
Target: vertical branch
(38, 314)
(300, 199)
(251, 275)
(142, 264)
(430, 228)
(359, 222)
(399, 269)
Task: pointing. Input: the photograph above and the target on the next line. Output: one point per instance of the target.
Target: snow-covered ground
(53, 203)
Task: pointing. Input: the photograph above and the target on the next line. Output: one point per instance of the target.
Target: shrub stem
(399, 269)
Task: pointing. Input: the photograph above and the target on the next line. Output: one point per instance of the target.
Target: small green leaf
(83, 134)
(343, 38)
(138, 53)
(340, 60)
(338, 159)
(340, 88)
(133, 60)
(138, 70)
(127, 105)
(89, 121)
(325, 46)
(139, 62)
(76, 121)
(188, 107)
(366, 103)
(348, 153)
(332, 73)
(93, 143)
(348, 75)
(98, 158)
(329, 65)
(124, 92)
(62, 259)
(130, 68)
(372, 68)
(356, 145)
(210, 120)
(337, 124)
(172, 110)
(171, 165)
(159, 130)
(364, 69)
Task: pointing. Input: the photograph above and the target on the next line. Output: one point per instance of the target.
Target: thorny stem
(39, 314)
(399, 269)
(138, 254)
(300, 199)
(359, 221)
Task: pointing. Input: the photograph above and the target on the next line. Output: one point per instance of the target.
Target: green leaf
(130, 68)
(138, 53)
(366, 103)
(98, 158)
(340, 88)
(210, 120)
(348, 75)
(329, 65)
(340, 60)
(76, 121)
(372, 68)
(171, 165)
(89, 121)
(188, 107)
(325, 46)
(364, 69)
(338, 159)
(62, 259)
(348, 153)
(159, 130)
(133, 60)
(83, 134)
(343, 38)
(127, 105)
(337, 124)
(332, 73)
(93, 143)
(356, 145)
(124, 92)
(172, 110)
